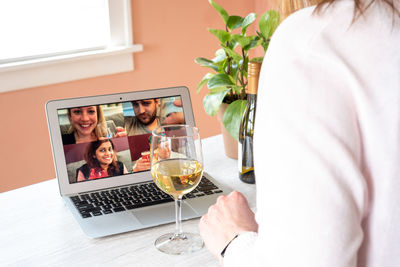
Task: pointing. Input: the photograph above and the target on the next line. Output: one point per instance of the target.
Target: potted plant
(228, 80)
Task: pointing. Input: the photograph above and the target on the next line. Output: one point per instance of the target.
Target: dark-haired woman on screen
(101, 162)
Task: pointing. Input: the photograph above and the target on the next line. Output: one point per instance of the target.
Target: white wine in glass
(177, 176)
(177, 168)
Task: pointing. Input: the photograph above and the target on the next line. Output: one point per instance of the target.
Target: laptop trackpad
(160, 214)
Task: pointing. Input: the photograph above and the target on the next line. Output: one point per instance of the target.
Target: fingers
(229, 216)
(221, 199)
(225, 204)
(175, 118)
(120, 132)
(219, 210)
(212, 210)
(178, 103)
(238, 197)
(233, 197)
(142, 165)
(235, 194)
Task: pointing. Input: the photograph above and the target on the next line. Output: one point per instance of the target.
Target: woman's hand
(175, 117)
(230, 216)
(142, 165)
(120, 132)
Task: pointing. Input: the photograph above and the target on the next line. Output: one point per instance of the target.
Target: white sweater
(327, 144)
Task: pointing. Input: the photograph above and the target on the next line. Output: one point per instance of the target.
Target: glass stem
(178, 216)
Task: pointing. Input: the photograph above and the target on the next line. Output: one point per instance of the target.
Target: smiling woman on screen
(101, 162)
(83, 122)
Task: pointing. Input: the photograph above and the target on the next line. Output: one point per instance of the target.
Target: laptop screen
(113, 139)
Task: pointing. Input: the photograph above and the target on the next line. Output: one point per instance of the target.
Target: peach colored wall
(172, 32)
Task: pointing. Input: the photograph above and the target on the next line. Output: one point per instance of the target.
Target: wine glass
(106, 129)
(177, 168)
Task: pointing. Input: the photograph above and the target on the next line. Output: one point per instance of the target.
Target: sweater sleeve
(311, 194)
(242, 245)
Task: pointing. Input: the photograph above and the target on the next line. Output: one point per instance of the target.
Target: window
(51, 41)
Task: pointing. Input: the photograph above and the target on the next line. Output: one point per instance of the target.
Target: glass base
(184, 243)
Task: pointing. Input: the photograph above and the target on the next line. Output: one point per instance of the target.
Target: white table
(49, 236)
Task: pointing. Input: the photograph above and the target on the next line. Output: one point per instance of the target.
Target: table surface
(37, 229)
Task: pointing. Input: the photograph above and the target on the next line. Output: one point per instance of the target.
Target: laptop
(126, 198)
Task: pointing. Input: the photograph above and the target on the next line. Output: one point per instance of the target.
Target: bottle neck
(253, 76)
(252, 85)
(251, 97)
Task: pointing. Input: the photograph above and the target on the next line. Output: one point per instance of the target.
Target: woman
(83, 122)
(327, 145)
(101, 161)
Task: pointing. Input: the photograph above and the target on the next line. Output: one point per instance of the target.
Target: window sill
(63, 68)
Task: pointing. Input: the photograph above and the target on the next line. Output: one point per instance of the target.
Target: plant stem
(242, 82)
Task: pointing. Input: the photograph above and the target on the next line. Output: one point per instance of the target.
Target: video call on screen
(113, 139)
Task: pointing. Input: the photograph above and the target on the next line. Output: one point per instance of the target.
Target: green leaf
(220, 56)
(222, 36)
(212, 101)
(220, 10)
(248, 20)
(233, 116)
(220, 80)
(203, 81)
(268, 23)
(206, 63)
(234, 22)
(236, 88)
(220, 60)
(220, 52)
(232, 54)
(265, 46)
(254, 42)
(234, 68)
(218, 90)
(221, 66)
(242, 40)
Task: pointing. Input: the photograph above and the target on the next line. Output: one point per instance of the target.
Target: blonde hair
(287, 7)
(100, 118)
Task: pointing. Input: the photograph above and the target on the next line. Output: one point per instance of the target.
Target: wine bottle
(245, 151)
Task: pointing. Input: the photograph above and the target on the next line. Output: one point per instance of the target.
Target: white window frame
(62, 68)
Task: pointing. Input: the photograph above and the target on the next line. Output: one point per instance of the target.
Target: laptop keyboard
(133, 197)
